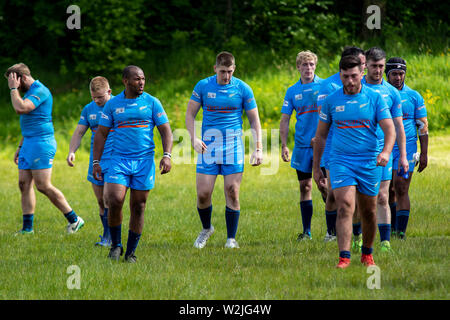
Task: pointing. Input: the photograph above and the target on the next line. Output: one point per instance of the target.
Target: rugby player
(302, 98)
(327, 87)
(354, 111)
(414, 117)
(132, 115)
(36, 151)
(376, 61)
(89, 119)
(223, 99)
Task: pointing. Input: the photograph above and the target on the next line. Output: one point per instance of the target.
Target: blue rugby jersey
(133, 121)
(413, 107)
(90, 117)
(303, 99)
(392, 98)
(354, 119)
(39, 121)
(223, 106)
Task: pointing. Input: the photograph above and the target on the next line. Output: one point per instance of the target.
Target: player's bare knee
(305, 186)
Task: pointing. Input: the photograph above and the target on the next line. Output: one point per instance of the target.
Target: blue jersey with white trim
(354, 119)
(38, 122)
(90, 117)
(392, 98)
(303, 99)
(133, 121)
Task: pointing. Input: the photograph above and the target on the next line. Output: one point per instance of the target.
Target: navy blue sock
(344, 254)
(132, 242)
(330, 217)
(104, 218)
(116, 236)
(402, 220)
(393, 207)
(306, 208)
(357, 229)
(232, 221)
(28, 222)
(71, 216)
(205, 216)
(365, 250)
(385, 231)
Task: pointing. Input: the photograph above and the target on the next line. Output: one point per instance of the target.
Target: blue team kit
(133, 121)
(223, 106)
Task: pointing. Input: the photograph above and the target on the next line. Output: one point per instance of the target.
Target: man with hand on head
(37, 148)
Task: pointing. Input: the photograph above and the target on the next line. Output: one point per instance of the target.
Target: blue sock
(385, 231)
(104, 218)
(27, 222)
(132, 242)
(205, 216)
(393, 207)
(357, 229)
(232, 220)
(344, 254)
(306, 208)
(71, 216)
(402, 220)
(365, 250)
(330, 217)
(116, 236)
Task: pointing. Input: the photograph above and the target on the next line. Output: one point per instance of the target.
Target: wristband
(19, 147)
(94, 162)
(167, 155)
(12, 89)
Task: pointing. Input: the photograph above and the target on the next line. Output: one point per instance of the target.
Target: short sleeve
(158, 113)
(420, 111)
(396, 110)
(84, 117)
(106, 118)
(249, 98)
(197, 92)
(288, 106)
(382, 109)
(38, 96)
(325, 112)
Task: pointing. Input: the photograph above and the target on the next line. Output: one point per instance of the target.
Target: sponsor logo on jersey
(212, 95)
(132, 105)
(321, 97)
(340, 108)
(142, 108)
(298, 96)
(363, 105)
(120, 110)
(92, 116)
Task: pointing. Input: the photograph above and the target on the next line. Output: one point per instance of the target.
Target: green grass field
(270, 264)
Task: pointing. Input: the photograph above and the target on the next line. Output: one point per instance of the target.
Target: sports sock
(306, 208)
(205, 216)
(330, 217)
(232, 221)
(71, 216)
(393, 207)
(27, 222)
(116, 236)
(104, 218)
(357, 229)
(365, 250)
(132, 242)
(402, 220)
(344, 254)
(385, 231)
